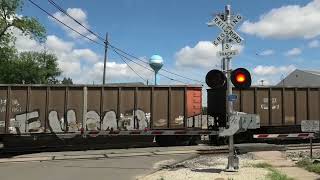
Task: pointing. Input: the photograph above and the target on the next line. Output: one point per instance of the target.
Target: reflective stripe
(296, 135)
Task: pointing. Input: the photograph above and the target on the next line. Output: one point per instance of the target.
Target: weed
(273, 174)
(262, 165)
(276, 175)
(309, 166)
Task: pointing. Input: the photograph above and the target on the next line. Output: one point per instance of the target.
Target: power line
(101, 38)
(129, 59)
(64, 23)
(62, 10)
(139, 59)
(66, 13)
(129, 65)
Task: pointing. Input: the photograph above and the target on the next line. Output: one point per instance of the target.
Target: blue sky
(279, 36)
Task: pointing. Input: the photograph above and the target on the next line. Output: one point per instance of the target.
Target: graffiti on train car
(30, 122)
(15, 105)
(265, 105)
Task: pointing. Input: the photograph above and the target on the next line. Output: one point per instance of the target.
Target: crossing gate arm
(284, 136)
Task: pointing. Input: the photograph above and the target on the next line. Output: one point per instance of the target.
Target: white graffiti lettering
(92, 121)
(29, 122)
(109, 121)
(72, 121)
(55, 124)
(15, 105)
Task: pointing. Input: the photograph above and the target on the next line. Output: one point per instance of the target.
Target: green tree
(31, 68)
(9, 18)
(26, 67)
(67, 81)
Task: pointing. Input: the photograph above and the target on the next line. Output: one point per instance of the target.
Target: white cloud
(293, 52)
(80, 16)
(314, 44)
(116, 72)
(86, 54)
(24, 43)
(267, 52)
(58, 45)
(82, 65)
(69, 69)
(270, 75)
(291, 21)
(272, 70)
(202, 55)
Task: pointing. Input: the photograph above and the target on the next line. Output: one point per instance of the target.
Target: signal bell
(216, 79)
(241, 78)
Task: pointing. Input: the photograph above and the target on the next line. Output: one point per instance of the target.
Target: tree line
(25, 67)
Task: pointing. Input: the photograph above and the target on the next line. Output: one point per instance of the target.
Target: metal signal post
(227, 70)
(226, 37)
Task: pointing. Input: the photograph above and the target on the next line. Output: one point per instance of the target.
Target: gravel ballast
(210, 167)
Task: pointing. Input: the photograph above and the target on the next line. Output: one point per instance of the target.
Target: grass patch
(276, 175)
(273, 174)
(309, 166)
(262, 165)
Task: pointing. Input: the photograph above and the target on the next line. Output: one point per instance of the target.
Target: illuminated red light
(240, 78)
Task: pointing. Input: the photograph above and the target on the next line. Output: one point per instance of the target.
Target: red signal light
(241, 78)
(216, 79)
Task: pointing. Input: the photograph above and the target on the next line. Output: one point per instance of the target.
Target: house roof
(301, 78)
(312, 72)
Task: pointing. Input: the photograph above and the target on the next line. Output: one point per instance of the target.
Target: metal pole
(105, 59)
(310, 147)
(155, 78)
(232, 159)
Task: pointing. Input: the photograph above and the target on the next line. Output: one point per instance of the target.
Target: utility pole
(44, 58)
(106, 43)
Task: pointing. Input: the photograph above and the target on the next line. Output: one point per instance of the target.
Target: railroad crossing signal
(241, 78)
(216, 79)
(228, 53)
(227, 30)
(221, 81)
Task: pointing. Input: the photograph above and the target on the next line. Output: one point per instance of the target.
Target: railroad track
(112, 154)
(302, 147)
(13, 151)
(67, 153)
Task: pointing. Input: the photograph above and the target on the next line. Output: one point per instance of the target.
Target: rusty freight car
(39, 110)
(281, 109)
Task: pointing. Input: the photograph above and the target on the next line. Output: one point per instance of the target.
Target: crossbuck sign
(227, 30)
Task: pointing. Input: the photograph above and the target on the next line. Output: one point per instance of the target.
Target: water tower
(156, 63)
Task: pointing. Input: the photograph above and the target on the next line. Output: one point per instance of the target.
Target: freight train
(42, 114)
(281, 109)
(30, 114)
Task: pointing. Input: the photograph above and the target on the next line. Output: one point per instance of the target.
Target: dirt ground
(210, 167)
